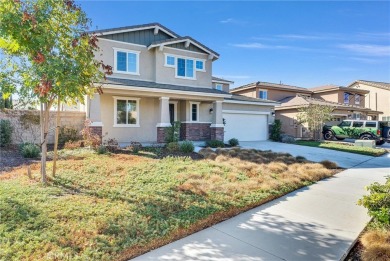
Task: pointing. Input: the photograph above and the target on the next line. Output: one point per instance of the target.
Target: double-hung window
(126, 112)
(218, 86)
(346, 98)
(185, 68)
(126, 61)
(263, 94)
(357, 99)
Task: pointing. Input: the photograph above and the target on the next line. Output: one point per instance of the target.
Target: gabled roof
(299, 101)
(331, 87)
(217, 79)
(186, 39)
(381, 85)
(271, 86)
(124, 29)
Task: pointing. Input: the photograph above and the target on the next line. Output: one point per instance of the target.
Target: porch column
(164, 120)
(94, 115)
(217, 127)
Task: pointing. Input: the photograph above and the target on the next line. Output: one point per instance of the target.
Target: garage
(246, 125)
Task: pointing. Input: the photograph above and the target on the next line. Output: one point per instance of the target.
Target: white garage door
(245, 126)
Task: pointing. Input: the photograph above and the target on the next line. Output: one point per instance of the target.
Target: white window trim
(204, 65)
(116, 125)
(357, 101)
(126, 51)
(266, 93)
(174, 110)
(219, 84)
(197, 111)
(169, 65)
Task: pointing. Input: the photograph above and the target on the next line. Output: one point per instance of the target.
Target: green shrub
(68, 134)
(215, 144)
(5, 133)
(276, 130)
(378, 203)
(30, 150)
(173, 146)
(101, 149)
(187, 146)
(173, 132)
(233, 142)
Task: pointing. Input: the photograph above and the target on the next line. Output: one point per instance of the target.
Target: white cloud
(367, 49)
(260, 46)
(233, 21)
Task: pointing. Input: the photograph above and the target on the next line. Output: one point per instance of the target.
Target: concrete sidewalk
(319, 222)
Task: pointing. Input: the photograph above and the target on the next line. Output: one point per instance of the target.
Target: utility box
(365, 143)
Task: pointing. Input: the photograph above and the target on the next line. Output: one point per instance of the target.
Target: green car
(359, 129)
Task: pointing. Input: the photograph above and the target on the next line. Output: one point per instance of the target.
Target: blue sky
(302, 43)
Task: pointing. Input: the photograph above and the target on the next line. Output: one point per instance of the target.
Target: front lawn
(114, 207)
(343, 147)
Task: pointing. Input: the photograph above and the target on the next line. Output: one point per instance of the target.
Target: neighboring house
(160, 77)
(348, 103)
(221, 84)
(378, 98)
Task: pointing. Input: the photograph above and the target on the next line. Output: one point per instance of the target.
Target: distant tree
(276, 130)
(315, 116)
(48, 56)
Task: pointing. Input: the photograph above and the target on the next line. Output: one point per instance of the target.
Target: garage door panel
(245, 127)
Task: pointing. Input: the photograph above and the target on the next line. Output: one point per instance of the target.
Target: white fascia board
(246, 112)
(219, 81)
(146, 89)
(183, 40)
(253, 103)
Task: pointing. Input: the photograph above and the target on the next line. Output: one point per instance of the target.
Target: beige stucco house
(160, 77)
(377, 98)
(348, 103)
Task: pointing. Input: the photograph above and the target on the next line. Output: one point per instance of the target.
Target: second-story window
(346, 98)
(200, 65)
(218, 86)
(126, 61)
(263, 94)
(357, 99)
(185, 68)
(170, 60)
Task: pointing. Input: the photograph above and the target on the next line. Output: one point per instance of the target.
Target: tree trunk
(56, 138)
(44, 131)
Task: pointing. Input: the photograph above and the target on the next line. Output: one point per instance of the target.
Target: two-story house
(348, 103)
(377, 98)
(160, 77)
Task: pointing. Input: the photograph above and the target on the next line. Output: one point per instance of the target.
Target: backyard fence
(26, 127)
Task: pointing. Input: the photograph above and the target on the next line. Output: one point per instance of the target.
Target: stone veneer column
(164, 122)
(217, 127)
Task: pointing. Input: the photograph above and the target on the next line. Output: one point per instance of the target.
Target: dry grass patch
(376, 245)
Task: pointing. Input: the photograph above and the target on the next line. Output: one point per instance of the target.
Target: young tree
(48, 55)
(315, 115)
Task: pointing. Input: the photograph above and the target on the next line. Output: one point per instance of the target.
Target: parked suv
(359, 129)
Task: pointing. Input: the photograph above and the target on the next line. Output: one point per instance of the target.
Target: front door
(172, 112)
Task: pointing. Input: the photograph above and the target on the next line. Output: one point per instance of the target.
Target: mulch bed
(10, 157)
(355, 253)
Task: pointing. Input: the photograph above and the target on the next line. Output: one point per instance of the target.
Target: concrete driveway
(343, 159)
(319, 222)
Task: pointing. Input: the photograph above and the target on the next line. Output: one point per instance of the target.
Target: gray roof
(382, 85)
(301, 100)
(132, 27)
(332, 87)
(236, 97)
(271, 85)
(153, 85)
(220, 79)
(184, 38)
